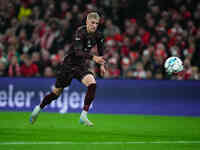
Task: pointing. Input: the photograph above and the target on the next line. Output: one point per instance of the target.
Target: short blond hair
(93, 15)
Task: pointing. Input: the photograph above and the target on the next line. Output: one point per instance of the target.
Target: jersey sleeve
(79, 46)
(100, 45)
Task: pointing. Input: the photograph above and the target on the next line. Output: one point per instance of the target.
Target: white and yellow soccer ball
(173, 65)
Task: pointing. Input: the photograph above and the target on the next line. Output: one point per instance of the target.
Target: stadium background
(139, 35)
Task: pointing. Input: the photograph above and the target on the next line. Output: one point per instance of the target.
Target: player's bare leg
(90, 83)
(47, 100)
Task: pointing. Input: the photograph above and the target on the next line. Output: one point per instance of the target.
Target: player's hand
(102, 70)
(99, 60)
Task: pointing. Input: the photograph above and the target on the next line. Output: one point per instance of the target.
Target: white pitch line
(98, 143)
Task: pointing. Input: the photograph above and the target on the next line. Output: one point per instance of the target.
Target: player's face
(92, 25)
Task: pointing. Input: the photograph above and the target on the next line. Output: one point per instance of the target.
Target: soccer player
(76, 64)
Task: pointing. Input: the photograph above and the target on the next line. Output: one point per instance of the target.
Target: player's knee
(57, 92)
(88, 80)
(91, 81)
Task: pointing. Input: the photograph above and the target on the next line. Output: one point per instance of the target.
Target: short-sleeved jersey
(80, 52)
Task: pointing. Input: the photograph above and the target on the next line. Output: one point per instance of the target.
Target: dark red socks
(90, 95)
(48, 99)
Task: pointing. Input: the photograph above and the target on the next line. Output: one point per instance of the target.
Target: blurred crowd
(139, 36)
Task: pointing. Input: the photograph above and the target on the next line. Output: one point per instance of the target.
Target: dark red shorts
(65, 73)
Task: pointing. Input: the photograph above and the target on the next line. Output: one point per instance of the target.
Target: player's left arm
(100, 48)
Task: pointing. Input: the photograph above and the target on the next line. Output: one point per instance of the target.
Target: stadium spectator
(110, 29)
(48, 72)
(3, 71)
(14, 67)
(161, 29)
(28, 69)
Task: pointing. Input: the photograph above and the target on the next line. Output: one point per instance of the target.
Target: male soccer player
(75, 65)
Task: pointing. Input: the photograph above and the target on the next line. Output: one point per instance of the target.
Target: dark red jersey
(80, 52)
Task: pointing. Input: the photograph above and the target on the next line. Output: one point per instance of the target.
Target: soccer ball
(173, 65)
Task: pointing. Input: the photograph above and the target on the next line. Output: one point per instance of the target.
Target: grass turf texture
(111, 132)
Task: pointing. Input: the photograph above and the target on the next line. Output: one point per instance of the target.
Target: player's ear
(86, 20)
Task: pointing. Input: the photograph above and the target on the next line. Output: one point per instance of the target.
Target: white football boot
(35, 114)
(84, 120)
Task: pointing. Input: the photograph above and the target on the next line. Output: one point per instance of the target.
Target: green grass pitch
(54, 131)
